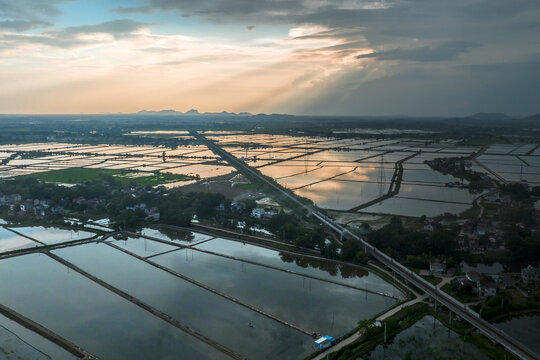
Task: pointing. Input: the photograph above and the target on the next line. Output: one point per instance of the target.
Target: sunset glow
(119, 56)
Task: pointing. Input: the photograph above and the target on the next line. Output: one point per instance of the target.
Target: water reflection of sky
(11, 241)
(300, 264)
(46, 347)
(415, 207)
(314, 305)
(52, 235)
(342, 195)
(209, 314)
(181, 237)
(142, 246)
(89, 315)
(427, 339)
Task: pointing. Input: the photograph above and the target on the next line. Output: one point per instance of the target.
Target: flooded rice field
(52, 235)
(17, 238)
(86, 314)
(19, 343)
(345, 174)
(11, 241)
(190, 160)
(257, 302)
(352, 174)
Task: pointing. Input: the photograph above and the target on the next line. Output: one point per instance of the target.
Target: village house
(152, 214)
(78, 200)
(530, 274)
(473, 276)
(437, 267)
(260, 213)
(485, 288)
(9, 199)
(268, 203)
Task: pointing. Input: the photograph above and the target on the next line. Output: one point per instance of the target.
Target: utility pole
(385, 332)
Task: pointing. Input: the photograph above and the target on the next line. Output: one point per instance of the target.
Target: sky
(317, 57)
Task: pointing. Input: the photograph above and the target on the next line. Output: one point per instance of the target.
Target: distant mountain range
(195, 112)
(489, 116)
(192, 112)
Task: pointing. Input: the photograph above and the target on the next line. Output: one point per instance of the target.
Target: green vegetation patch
(84, 175)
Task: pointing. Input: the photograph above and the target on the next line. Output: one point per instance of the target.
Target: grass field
(83, 175)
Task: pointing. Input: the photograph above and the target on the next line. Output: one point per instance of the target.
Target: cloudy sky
(342, 57)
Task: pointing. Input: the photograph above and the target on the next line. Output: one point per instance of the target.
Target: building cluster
(151, 214)
(478, 236)
(437, 267)
(486, 285)
(262, 213)
(482, 286)
(35, 208)
(89, 204)
(424, 225)
(496, 198)
(531, 275)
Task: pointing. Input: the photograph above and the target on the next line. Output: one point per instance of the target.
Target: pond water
(311, 304)
(13, 348)
(368, 173)
(495, 268)
(437, 193)
(415, 207)
(523, 329)
(342, 195)
(17, 342)
(88, 315)
(300, 264)
(143, 246)
(209, 314)
(427, 339)
(306, 178)
(426, 174)
(279, 171)
(10, 241)
(52, 235)
(182, 237)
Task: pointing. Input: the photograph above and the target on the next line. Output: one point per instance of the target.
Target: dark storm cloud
(383, 23)
(431, 90)
(443, 52)
(22, 15)
(69, 37)
(432, 56)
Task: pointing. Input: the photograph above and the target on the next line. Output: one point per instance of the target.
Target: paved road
(493, 333)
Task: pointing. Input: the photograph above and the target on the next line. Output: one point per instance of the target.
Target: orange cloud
(101, 72)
